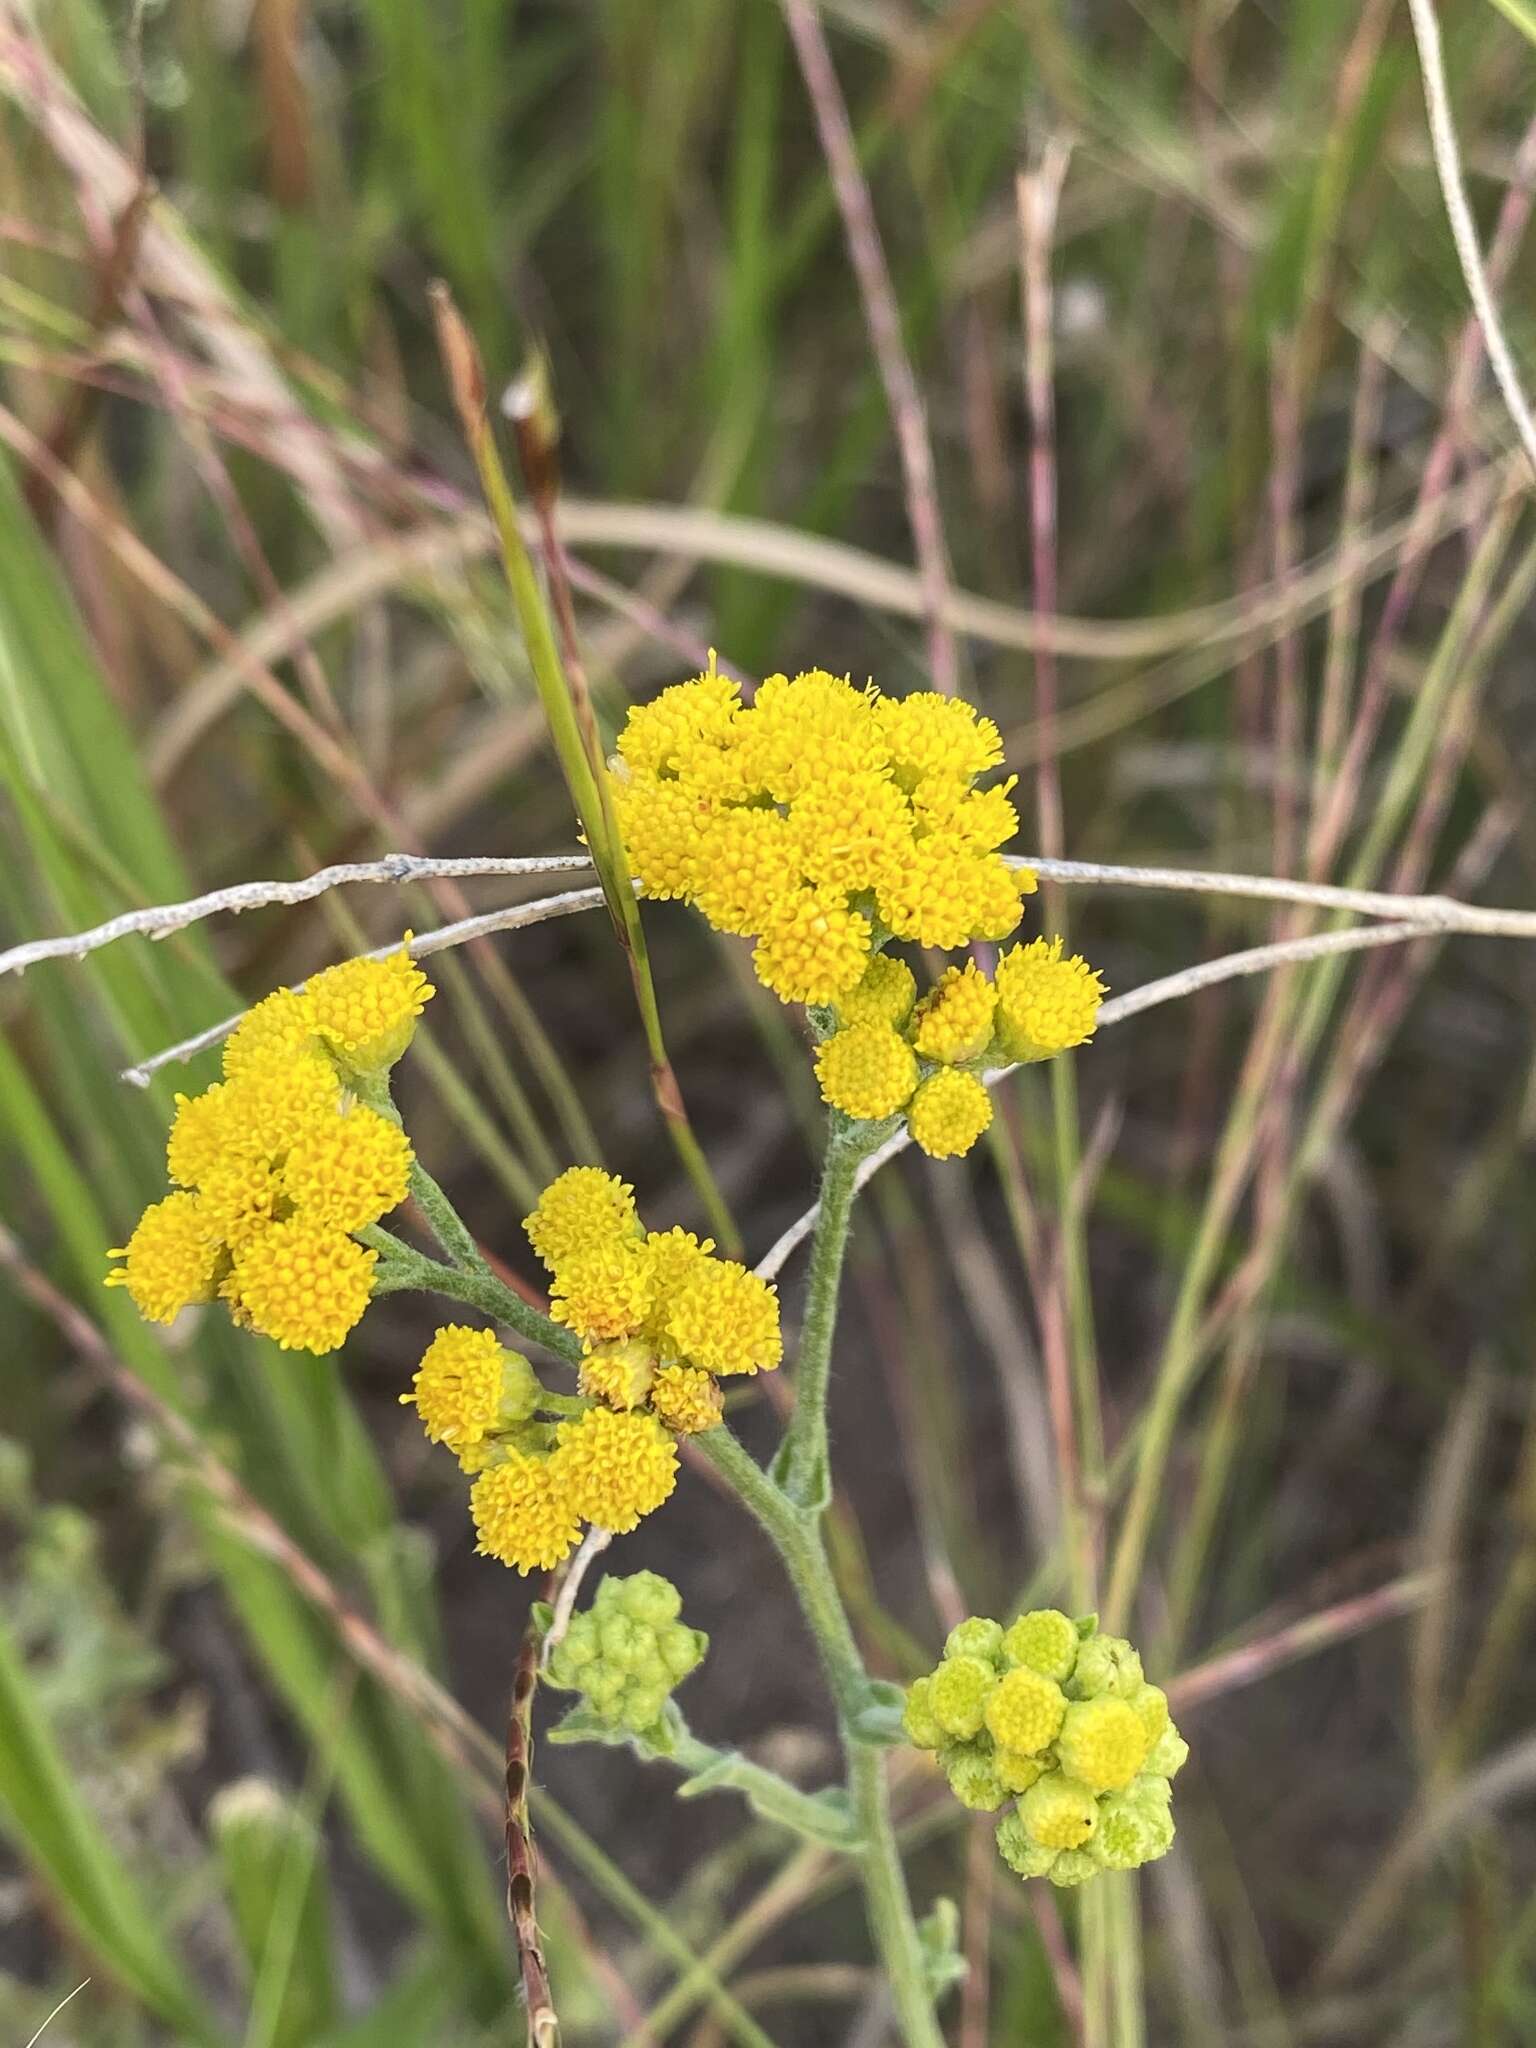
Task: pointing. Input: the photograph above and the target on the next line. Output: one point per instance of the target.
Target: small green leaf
(877, 1719)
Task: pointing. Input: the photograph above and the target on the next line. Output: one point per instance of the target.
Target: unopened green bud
(681, 1649)
(923, 1730)
(958, 1695)
(642, 1705)
(1059, 1812)
(1018, 1772)
(1072, 1866)
(1019, 1851)
(973, 1776)
(1168, 1755)
(624, 1642)
(1106, 1664)
(1126, 1836)
(520, 1388)
(1149, 1703)
(977, 1637)
(1046, 1641)
(648, 1598)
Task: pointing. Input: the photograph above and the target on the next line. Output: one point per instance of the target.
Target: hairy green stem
(826, 1822)
(403, 1269)
(801, 1466)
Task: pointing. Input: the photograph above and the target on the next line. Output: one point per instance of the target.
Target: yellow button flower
(866, 1070)
(884, 995)
(602, 1292)
(948, 1113)
(241, 1197)
(665, 736)
(726, 1319)
(663, 825)
(619, 1374)
(748, 861)
(686, 1399)
(854, 826)
(1045, 1004)
(365, 1011)
(349, 1170)
(303, 1284)
(954, 1021)
(523, 1513)
(945, 894)
(813, 948)
(276, 1028)
(614, 1468)
(275, 1102)
(1025, 1711)
(202, 1131)
(583, 1208)
(468, 1385)
(1059, 1812)
(171, 1260)
(928, 734)
(1102, 1742)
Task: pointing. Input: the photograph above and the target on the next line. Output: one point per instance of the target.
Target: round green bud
(648, 1598)
(1019, 1852)
(973, 1776)
(1106, 1664)
(977, 1637)
(1025, 1711)
(642, 1705)
(650, 1667)
(1018, 1772)
(521, 1389)
(1168, 1755)
(1149, 1703)
(682, 1649)
(1152, 1791)
(624, 1642)
(1046, 1641)
(604, 1683)
(1059, 1812)
(1073, 1866)
(1126, 1835)
(958, 1693)
(922, 1730)
(1102, 1742)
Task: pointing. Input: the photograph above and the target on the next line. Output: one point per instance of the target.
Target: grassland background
(226, 651)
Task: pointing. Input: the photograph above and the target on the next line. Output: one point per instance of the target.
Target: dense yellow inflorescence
(278, 1166)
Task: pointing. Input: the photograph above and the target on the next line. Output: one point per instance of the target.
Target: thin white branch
(160, 920)
(1447, 152)
(594, 1543)
(1166, 989)
(1445, 913)
(514, 918)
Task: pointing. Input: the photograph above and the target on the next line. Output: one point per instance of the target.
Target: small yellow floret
(958, 1693)
(365, 1011)
(813, 948)
(201, 1133)
(279, 1027)
(748, 862)
(1045, 1004)
(866, 1070)
(1059, 1812)
(954, 1021)
(303, 1284)
(725, 1319)
(664, 736)
(928, 734)
(603, 1292)
(615, 1468)
(948, 1113)
(171, 1260)
(241, 1197)
(585, 1207)
(619, 1374)
(274, 1103)
(945, 894)
(457, 1388)
(1017, 1771)
(885, 995)
(854, 827)
(1102, 1742)
(687, 1399)
(1046, 1640)
(798, 725)
(982, 818)
(523, 1513)
(1025, 1711)
(663, 825)
(350, 1169)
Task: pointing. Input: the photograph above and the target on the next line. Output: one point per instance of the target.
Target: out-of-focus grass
(1315, 1212)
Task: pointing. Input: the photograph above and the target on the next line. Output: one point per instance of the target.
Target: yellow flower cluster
(662, 1321)
(815, 814)
(890, 1053)
(278, 1165)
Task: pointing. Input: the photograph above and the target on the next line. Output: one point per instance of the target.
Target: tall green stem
(801, 1466)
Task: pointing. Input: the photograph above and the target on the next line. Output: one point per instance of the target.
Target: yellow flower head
(813, 948)
(365, 1011)
(854, 827)
(799, 725)
(686, 1399)
(201, 1133)
(171, 1260)
(277, 1028)
(1025, 1711)
(241, 1197)
(725, 1319)
(349, 1170)
(468, 1385)
(1059, 1812)
(945, 894)
(663, 825)
(1045, 1004)
(668, 735)
(885, 995)
(983, 818)
(748, 861)
(614, 1468)
(671, 1256)
(302, 1283)
(866, 1070)
(619, 1374)
(584, 1208)
(1102, 1742)
(523, 1513)
(954, 1021)
(275, 1102)
(948, 1113)
(927, 734)
(602, 1292)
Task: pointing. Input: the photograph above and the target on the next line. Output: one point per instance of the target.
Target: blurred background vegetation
(248, 625)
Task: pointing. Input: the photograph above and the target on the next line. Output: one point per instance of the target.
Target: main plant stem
(801, 1465)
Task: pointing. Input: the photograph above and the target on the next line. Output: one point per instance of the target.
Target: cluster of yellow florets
(662, 1321)
(1058, 1719)
(890, 1053)
(819, 820)
(278, 1165)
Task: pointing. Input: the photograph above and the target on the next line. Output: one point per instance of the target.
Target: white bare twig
(594, 1543)
(1166, 989)
(514, 918)
(1447, 153)
(159, 921)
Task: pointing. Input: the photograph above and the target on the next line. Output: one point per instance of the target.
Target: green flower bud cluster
(627, 1652)
(1058, 1723)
